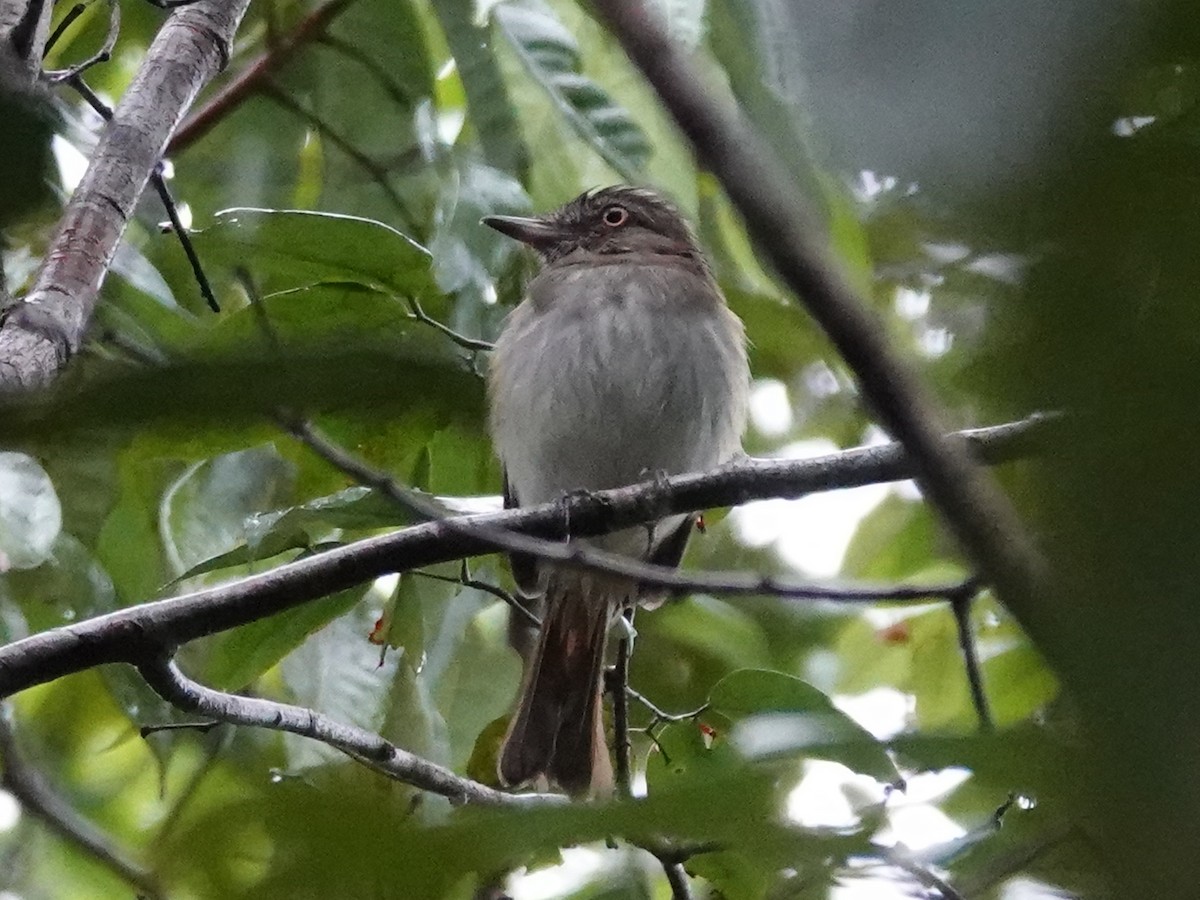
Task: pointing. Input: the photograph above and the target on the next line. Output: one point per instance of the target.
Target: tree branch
(41, 333)
(784, 230)
(39, 799)
(255, 76)
(129, 635)
(165, 677)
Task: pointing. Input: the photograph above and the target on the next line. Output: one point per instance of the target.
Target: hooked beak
(537, 233)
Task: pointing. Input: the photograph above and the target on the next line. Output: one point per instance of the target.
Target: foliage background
(1012, 187)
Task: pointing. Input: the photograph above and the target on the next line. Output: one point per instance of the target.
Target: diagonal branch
(128, 635)
(784, 230)
(256, 75)
(165, 677)
(38, 798)
(41, 333)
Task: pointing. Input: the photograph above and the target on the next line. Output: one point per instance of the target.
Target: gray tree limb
(373, 751)
(142, 632)
(38, 798)
(42, 331)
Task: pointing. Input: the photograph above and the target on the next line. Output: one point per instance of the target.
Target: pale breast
(609, 374)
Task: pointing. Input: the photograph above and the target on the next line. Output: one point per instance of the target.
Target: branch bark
(136, 633)
(41, 333)
(39, 799)
(165, 677)
(255, 76)
(783, 229)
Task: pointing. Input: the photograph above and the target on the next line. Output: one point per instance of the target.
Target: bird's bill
(537, 233)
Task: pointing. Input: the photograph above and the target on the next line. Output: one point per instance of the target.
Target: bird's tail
(557, 732)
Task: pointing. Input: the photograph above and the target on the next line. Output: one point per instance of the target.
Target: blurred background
(1012, 185)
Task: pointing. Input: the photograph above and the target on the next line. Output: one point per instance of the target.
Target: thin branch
(960, 605)
(677, 878)
(128, 634)
(382, 75)
(777, 218)
(67, 21)
(255, 75)
(466, 580)
(475, 346)
(925, 876)
(39, 799)
(42, 332)
(618, 686)
(661, 715)
(165, 677)
(584, 556)
(159, 181)
(377, 172)
(104, 54)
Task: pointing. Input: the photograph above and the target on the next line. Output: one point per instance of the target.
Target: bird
(622, 362)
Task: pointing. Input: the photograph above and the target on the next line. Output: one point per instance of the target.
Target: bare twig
(383, 76)
(128, 634)
(104, 54)
(189, 249)
(960, 605)
(584, 556)
(783, 229)
(660, 715)
(255, 75)
(475, 346)
(41, 333)
(67, 21)
(375, 170)
(39, 799)
(681, 888)
(158, 180)
(925, 876)
(466, 580)
(165, 677)
(618, 687)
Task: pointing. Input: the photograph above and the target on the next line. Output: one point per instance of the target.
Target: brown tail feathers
(557, 732)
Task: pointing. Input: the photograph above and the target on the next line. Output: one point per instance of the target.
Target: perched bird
(622, 363)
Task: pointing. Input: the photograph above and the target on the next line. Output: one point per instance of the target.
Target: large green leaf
(551, 56)
(206, 510)
(293, 248)
(236, 658)
(228, 389)
(777, 714)
(491, 114)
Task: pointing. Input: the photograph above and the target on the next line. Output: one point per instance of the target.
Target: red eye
(616, 216)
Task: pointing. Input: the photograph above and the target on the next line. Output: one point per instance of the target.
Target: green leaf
(714, 628)
(236, 658)
(551, 56)
(302, 527)
(777, 713)
(288, 249)
(895, 539)
(235, 388)
(480, 676)
(68, 585)
(491, 113)
(204, 513)
(30, 514)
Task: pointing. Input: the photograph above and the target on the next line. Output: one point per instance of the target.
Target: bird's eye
(616, 216)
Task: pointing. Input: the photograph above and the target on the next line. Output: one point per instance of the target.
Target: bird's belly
(620, 397)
